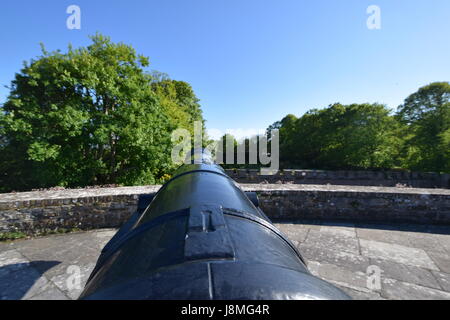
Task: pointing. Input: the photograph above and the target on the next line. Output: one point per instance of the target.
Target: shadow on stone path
(413, 260)
(23, 280)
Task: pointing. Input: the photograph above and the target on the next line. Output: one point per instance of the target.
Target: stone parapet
(344, 177)
(40, 212)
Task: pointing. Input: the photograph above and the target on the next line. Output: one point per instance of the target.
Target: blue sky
(251, 62)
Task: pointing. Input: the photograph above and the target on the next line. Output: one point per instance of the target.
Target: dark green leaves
(426, 116)
(90, 116)
(368, 136)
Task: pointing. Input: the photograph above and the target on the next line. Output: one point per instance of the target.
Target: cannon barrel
(201, 237)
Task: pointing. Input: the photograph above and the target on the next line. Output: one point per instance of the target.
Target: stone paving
(413, 261)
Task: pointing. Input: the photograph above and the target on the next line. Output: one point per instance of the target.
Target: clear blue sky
(251, 62)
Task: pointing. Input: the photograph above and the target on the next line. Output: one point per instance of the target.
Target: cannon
(202, 238)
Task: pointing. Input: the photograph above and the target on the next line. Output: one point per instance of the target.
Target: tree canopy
(426, 117)
(416, 137)
(94, 115)
(340, 136)
(368, 136)
(90, 116)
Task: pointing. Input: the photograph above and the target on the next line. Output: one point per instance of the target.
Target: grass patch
(11, 236)
(59, 231)
(7, 236)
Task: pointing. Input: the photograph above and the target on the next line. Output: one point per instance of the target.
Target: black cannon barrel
(202, 237)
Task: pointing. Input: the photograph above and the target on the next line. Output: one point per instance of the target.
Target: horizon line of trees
(369, 136)
(95, 116)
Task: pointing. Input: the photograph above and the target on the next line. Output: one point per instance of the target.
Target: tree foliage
(93, 115)
(179, 102)
(90, 116)
(353, 136)
(425, 115)
(363, 136)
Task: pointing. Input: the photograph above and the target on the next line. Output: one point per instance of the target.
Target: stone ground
(413, 261)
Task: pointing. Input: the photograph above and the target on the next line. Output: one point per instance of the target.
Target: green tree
(179, 102)
(426, 117)
(228, 141)
(88, 116)
(340, 137)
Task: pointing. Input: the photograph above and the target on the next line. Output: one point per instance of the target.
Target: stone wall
(35, 213)
(50, 211)
(345, 177)
(356, 203)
